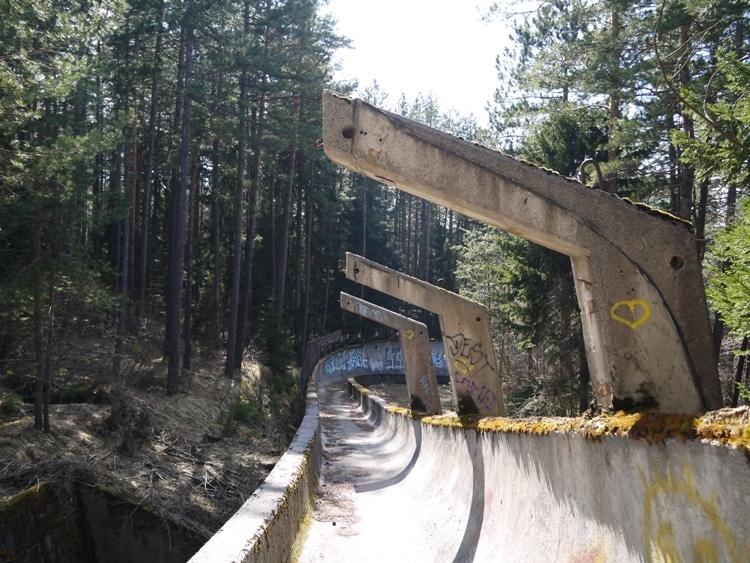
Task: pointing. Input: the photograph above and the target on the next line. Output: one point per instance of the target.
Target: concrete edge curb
(262, 527)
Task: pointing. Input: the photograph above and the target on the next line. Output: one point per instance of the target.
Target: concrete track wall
(375, 358)
(564, 497)
(517, 496)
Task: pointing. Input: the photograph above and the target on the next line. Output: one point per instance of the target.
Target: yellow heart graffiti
(463, 365)
(638, 321)
(409, 334)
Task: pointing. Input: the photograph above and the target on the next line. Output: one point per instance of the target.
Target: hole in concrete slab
(348, 132)
(479, 319)
(677, 262)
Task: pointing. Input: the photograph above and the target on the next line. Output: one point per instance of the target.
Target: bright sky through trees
(413, 46)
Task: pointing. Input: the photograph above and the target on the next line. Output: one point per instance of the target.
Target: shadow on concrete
(401, 475)
(468, 548)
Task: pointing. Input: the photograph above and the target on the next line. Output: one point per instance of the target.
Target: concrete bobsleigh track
(364, 481)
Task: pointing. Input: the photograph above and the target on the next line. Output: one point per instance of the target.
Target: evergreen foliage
(161, 159)
(729, 286)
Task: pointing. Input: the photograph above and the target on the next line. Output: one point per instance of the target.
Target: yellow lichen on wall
(730, 427)
(651, 426)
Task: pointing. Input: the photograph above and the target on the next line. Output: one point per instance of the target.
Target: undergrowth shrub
(242, 410)
(10, 402)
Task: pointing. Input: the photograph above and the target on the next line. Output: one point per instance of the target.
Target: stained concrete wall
(521, 497)
(564, 497)
(374, 358)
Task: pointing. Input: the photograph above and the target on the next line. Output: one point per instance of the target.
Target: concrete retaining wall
(75, 522)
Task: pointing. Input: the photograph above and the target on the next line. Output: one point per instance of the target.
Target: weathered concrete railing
(637, 274)
(264, 527)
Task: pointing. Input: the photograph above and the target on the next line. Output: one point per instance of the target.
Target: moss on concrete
(651, 426)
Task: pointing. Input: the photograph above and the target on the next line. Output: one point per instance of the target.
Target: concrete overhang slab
(638, 277)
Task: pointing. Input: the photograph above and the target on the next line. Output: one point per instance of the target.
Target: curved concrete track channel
(363, 482)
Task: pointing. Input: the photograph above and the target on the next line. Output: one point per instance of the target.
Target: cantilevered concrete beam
(421, 382)
(637, 273)
(465, 325)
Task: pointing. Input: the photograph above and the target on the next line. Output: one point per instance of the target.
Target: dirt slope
(184, 457)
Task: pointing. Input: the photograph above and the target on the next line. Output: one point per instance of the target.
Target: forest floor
(193, 457)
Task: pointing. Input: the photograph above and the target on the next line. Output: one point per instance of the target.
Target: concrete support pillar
(637, 273)
(421, 382)
(465, 327)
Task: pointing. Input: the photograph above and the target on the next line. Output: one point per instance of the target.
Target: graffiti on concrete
(470, 357)
(713, 538)
(481, 394)
(336, 363)
(631, 313)
(438, 358)
(378, 357)
(409, 334)
(424, 385)
(363, 310)
(356, 359)
(394, 360)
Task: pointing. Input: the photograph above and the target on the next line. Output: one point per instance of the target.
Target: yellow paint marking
(463, 366)
(637, 320)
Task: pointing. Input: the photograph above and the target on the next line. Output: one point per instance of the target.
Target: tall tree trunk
(687, 171)
(700, 217)
(673, 164)
(122, 313)
(408, 234)
(50, 319)
(174, 180)
(192, 233)
(299, 238)
(38, 338)
(216, 309)
(286, 213)
(308, 265)
(424, 266)
(147, 185)
(178, 211)
(234, 295)
(614, 98)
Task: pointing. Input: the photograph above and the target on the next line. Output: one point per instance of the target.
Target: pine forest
(168, 214)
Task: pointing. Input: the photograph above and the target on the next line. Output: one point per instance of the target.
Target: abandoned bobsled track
(365, 481)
